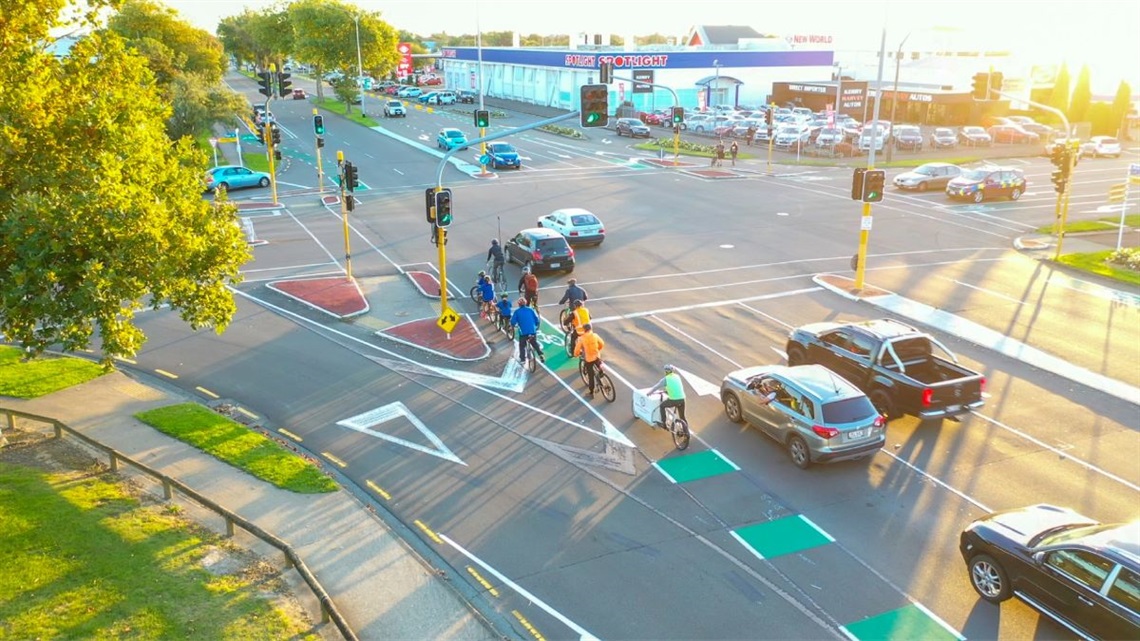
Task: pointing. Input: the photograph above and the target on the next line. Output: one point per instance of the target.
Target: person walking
(590, 346)
(749, 135)
(733, 149)
(718, 161)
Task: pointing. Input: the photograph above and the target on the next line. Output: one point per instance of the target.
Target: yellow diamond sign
(447, 320)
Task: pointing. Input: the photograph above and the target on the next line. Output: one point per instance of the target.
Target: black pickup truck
(894, 364)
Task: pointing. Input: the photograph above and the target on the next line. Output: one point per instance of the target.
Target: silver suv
(813, 412)
(393, 108)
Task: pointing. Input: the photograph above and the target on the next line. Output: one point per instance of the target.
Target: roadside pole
(344, 211)
(320, 167)
(866, 219)
(271, 152)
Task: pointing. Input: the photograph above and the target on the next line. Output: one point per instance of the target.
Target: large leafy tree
(104, 216)
(325, 36)
(1120, 106)
(197, 105)
(1059, 100)
(1082, 96)
(171, 45)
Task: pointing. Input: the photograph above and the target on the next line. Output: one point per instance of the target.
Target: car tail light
(825, 432)
(982, 384)
(573, 233)
(571, 251)
(927, 397)
(536, 255)
(879, 421)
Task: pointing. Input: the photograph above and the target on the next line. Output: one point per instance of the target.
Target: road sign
(447, 320)
(1117, 193)
(248, 138)
(484, 159)
(1134, 173)
(213, 142)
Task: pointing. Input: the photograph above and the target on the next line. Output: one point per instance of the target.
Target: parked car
(943, 138)
(451, 138)
(1046, 132)
(468, 97)
(872, 136)
(503, 154)
(423, 98)
(661, 117)
(578, 226)
(1099, 146)
(816, 414)
(430, 80)
(972, 136)
(1082, 574)
(394, 108)
(700, 123)
(908, 137)
(540, 249)
(1022, 120)
(443, 98)
(632, 127)
(791, 136)
(829, 137)
(987, 183)
(409, 92)
(299, 94)
(1013, 134)
(393, 90)
(896, 365)
(932, 175)
(228, 177)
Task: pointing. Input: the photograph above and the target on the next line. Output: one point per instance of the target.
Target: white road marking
(583, 635)
(983, 290)
(397, 171)
(685, 308)
(364, 423)
(694, 339)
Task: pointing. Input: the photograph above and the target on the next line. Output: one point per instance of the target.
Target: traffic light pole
(344, 213)
(320, 167)
(865, 219)
(270, 152)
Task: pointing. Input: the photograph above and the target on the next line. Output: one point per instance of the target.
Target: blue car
(503, 154)
(451, 139)
(229, 177)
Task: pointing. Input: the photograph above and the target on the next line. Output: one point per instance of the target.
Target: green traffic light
(592, 118)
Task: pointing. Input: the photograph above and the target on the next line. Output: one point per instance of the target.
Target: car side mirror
(1039, 558)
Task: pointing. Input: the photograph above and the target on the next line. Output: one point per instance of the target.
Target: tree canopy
(105, 215)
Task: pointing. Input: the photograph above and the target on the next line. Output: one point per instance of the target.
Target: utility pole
(865, 220)
(895, 94)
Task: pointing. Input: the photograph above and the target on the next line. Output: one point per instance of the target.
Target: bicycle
(529, 358)
(476, 293)
(498, 275)
(601, 379)
(564, 318)
(675, 425)
(505, 326)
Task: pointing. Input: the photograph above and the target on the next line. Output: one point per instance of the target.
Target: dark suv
(541, 249)
(469, 97)
(1076, 571)
(987, 183)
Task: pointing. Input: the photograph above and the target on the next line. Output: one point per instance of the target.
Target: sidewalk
(384, 587)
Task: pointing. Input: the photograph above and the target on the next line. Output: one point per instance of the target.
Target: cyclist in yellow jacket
(589, 346)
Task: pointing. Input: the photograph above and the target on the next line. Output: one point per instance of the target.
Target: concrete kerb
(272, 285)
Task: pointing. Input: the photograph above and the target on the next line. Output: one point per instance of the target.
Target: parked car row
(977, 185)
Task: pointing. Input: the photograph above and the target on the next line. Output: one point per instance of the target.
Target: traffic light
(769, 117)
(443, 207)
(350, 204)
(277, 154)
(995, 81)
(482, 118)
(283, 83)
(276, 134)
(606, 72)
(595, 105)
(351, 176)
(1059, 181)
(857, 183)
(320, 142)
(1057, 155)
(873, 181)
(429, 204)
(319, 124)
(981, 86)
(265, 82)
(678, 115)
(261, 135)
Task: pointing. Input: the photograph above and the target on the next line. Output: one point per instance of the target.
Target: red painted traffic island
(713, 173)
(667, 162)
(465, 342)
(426, 282)
(255, 206)
(338, 296)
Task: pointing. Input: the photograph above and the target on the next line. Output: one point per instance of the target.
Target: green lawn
(338, 107)
(42, 375)
(1104, 223)
(1094, 263)
(85, 560)
(241, 447)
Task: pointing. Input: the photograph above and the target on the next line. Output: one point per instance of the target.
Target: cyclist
(526, 320)
(487, 292)
(504, 306)
(674, 392)
(579, 318)
(528, 287)
(590, 346)
(496, 253)
(573, 293)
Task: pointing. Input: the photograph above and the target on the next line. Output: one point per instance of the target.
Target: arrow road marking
(699, 385)
(364, 423)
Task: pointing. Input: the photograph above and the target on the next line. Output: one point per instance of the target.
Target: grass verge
(338, 107)
(1094, 263)
(1106, 223)
(84, 559)
(239, 446)
(42, 375)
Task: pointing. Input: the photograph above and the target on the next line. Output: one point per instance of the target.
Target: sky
(1100, 33)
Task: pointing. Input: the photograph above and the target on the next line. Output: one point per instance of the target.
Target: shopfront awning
(708, 80)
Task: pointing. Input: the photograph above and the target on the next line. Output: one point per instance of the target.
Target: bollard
(229, 528)
(167, 489)
(114, 463)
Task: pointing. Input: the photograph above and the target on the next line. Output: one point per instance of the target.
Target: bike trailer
(645, 405)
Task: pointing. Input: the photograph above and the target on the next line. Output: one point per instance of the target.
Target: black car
(466, 96)
(1078, 572)
(632, 127)
(540, 249)
(907, 137)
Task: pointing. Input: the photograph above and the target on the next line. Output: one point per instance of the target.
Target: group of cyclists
(584, 342)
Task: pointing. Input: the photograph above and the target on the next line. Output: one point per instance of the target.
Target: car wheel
(732, 407)
(883, 402)
(796, 356)
(618, 132)
(264, 182)
(222, 186)
(798, 451)
(989, 579)
(1015, 194)
(979, 196)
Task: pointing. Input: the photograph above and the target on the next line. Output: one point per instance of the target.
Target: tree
(105, 216)
(326, 37)
(1082, 96)
(233, 32)
(1120, 106)
(196, 106)
(1060, 98)
(170, 45)
(1099, 114)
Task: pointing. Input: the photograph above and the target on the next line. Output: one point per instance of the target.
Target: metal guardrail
(329, 611)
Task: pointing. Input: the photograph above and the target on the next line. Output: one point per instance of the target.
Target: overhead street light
(895, 95)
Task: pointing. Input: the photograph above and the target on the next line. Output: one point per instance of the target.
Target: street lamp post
(359, 64)
(895, 95)
(716, 83)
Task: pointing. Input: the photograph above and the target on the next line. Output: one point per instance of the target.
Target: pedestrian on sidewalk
(733, 150)
(749, 135)
(718, 154)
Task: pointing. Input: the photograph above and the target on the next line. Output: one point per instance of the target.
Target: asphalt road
(580, 536)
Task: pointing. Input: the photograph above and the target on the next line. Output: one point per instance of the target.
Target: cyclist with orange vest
(590, 347)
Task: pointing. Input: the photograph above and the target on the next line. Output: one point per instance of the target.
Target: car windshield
(829, 132)
(943, 132)
(972, 130)
(502, 148)
(1064, 533)
(584, 219)
(454, 133)
(976, 174)
(849, 410)
(907, 131)
(925, 170)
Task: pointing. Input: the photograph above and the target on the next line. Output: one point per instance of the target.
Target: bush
(684, 144)
(1128, 258)
(845, 150)
(561, 131)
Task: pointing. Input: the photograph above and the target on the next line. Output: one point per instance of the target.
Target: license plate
(854, 434)
(953, 408)
(553, 265)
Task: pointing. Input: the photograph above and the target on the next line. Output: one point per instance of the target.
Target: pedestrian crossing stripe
(695, 466)
(782, 536)
(909, 622)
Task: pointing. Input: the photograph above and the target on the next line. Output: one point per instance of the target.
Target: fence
(169, 485)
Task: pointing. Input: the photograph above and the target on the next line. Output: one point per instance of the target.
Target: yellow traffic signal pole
(270, 149)
(441, 247)
(344, 213)
(865, 219)
(1063, 197)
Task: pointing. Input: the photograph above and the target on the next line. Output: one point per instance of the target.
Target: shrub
(561, 131)
(1128, 258)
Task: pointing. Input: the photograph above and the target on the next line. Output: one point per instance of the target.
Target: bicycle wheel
(564, 320)
(476, 295)
(607, 386)
(531, 360)
(509, 330)
(566, 342)
(582, 371)
(680, 434)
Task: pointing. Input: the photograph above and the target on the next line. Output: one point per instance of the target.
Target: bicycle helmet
(522, 302)
(494, 241)
(526, 270)
(669, 369)
(573, 281)
(481, 275)
(576, 304)
(587, 327)
(503, 296)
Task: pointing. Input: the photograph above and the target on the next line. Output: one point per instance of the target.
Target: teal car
(451, 139)
(229, 177)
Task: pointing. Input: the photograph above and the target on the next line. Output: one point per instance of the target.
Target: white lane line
(768, 316)
(582, 633)
(694, 339)
(685, 308)
(937, 619)
(984, 290)
(315, 240)
(1038, 442)
(960, 494)
(301, 275)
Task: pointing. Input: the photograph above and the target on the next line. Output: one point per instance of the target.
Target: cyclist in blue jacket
(487, 291)
(526, 320)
